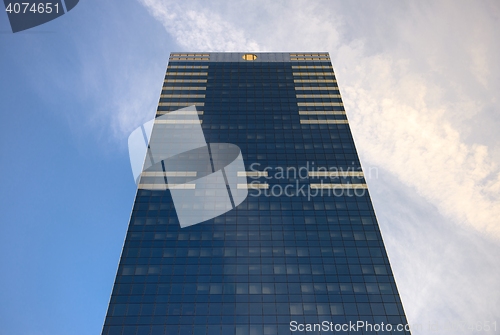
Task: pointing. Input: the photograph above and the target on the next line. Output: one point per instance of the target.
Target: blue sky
(419, 82)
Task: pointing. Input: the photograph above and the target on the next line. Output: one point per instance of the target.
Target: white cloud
(397, 129)
(199, 28)
(132, 94)
(119, 74)
(445, 273)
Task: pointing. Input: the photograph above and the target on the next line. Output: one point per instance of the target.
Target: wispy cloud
(119, 79)
(446, 273)
(398, 129)
(197, 28)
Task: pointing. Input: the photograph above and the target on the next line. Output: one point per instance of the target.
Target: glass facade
(302, 254)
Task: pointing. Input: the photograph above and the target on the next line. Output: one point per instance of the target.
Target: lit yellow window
(249, 57)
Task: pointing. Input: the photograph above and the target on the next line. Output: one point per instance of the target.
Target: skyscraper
(302, 252)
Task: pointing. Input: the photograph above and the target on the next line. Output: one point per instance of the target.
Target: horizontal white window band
(185, 81)
(184, 88)
(299, 96)
(185, 112)
(252, 174)
(309, 59)
(187, 67)
(169, 174)
(307, 88)
(322, 113)
(308, 67)
(335, 173)
(324, 121)
(320, 104)
(181, 104)
(178, 121)
(338, 186)
(313, 74)
(187, 73)
(180, 112)
(183, 96)
(300, 81)
(252, 186)
(309, 54)
(167, 186)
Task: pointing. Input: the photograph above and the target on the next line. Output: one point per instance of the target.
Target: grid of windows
(311, 57)
(311, 255)
(193, 57)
